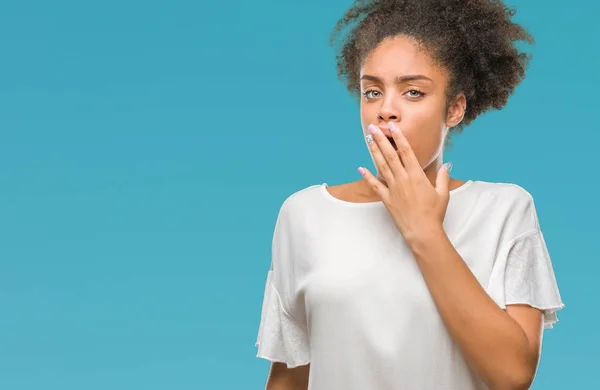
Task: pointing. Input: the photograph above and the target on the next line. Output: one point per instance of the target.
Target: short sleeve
(281, 337)
(523, 271)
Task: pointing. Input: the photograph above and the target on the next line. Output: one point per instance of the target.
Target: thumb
(442, 180)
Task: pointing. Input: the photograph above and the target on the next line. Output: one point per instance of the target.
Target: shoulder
(504, 193)
(300, 201)
(303, 196)
(508, 204)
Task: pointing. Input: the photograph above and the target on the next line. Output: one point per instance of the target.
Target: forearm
(283, 385)
(283, 378)
(494, 344)
(279, 385)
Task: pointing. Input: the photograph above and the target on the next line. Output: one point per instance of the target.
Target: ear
(456, 110)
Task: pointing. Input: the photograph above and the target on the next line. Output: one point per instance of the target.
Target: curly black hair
(472, 39)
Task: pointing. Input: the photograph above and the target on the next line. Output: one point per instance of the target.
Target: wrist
(425, 238)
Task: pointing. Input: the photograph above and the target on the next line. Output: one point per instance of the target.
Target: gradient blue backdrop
(146, 148)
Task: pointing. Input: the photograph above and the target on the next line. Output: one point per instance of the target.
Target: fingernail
(372, 129)
(361, 170)
(393, 127)
(448, 166)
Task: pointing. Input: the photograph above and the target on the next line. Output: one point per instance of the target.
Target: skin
(502, 346)
(283, 378)
(418, 107)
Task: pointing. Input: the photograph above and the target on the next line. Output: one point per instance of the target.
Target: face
(400, 84)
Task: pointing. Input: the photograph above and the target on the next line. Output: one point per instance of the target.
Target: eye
(368, 94)
(417, 93)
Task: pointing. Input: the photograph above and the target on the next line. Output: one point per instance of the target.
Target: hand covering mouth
(392, 142)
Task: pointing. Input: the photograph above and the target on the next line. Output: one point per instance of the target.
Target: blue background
(146, 148)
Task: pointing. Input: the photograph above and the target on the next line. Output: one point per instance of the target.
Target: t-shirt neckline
(379, 202)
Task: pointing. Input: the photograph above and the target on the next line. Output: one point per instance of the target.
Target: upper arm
(283, 378)
(531, 320)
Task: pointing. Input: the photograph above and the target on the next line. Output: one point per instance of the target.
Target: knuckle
(403, 152)
(391, 155)
(384, 169)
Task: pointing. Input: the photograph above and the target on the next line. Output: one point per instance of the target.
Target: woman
(407, 278)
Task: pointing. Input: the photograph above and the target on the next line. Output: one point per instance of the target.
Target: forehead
(400, 56)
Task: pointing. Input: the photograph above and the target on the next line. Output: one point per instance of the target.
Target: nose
(386, 116)
(387, 112)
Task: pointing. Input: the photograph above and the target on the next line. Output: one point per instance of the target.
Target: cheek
(424, 135)
(425, 114)
(421, 127)
(368, 114)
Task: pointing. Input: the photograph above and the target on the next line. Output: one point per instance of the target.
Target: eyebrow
(399, 79)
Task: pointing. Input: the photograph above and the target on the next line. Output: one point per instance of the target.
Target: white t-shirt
(344, 291)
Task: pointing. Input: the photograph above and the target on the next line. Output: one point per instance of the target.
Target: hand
(415, 205)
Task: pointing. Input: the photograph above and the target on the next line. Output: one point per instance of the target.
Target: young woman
(408, 278)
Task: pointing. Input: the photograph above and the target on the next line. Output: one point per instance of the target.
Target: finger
(377, 186)
(387, 150)
(382, 166)
(409, 159)
(442, 180)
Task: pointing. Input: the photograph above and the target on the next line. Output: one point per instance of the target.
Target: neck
(430, 171)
